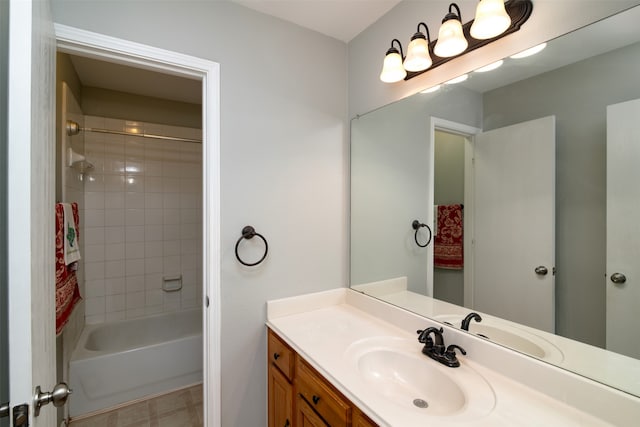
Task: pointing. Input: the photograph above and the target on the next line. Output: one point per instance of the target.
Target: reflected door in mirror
(623, 227)
(514, 217)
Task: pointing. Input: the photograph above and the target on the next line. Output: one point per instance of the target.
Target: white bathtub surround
(123, 361)
(527, 392)
(143, 220)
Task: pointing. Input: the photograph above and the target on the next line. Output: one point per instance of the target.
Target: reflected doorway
(449, 190)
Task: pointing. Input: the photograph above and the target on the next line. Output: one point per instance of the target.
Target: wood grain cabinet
(280, 371)
(361, 420)
(297, 388)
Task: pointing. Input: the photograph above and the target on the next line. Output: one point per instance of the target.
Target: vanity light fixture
(529, 52)
(392, 69)
(418, 57)
(454, 38)
(451, 39)
(491, 20)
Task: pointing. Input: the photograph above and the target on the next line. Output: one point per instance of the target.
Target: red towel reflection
(447, 247)
(67, 292)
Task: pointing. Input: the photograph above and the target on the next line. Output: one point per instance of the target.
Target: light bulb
(418, 58)
(451, 40)
(392, 69)
(491, 20)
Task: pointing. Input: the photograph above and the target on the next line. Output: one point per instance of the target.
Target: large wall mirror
(527, 177)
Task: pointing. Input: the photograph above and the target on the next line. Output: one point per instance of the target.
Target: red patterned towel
(447, 247)
(67, 292)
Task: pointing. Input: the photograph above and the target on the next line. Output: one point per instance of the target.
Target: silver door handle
(541, 270)
(58, 397)
(618, 278)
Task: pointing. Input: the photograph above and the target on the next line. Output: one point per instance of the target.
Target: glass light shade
(418, 58)
(392, 69)
(491, 20)
(451, 40)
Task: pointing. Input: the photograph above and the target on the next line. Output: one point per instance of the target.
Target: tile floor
(182, 408)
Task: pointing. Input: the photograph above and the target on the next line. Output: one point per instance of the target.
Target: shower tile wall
(143, 220)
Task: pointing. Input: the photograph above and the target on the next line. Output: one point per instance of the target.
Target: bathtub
(118, 362)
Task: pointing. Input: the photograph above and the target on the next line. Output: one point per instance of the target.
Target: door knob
(541, 270)
(58, 397)
(618, 278)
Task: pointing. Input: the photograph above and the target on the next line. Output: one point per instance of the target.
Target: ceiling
(340, 19)
(137, 81)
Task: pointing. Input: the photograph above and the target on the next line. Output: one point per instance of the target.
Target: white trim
(469, 190)
(86, 43)
(19, 202)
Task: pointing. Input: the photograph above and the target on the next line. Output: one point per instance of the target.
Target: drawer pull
(287, 424)
(276, 356)
(315, 399)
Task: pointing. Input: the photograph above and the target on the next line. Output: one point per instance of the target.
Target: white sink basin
(510, 336)
(396, 371)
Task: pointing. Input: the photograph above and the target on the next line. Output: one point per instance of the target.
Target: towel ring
(249, 232)
(417, 225)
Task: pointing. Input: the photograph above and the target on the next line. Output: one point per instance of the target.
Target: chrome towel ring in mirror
(417, 225)
(249, 232)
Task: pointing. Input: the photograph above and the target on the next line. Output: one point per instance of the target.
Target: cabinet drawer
(332, 407)
(281, 355)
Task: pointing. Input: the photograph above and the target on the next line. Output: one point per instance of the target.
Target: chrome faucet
(467, 320)
(435, 348)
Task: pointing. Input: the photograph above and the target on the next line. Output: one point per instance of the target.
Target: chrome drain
(420, 403)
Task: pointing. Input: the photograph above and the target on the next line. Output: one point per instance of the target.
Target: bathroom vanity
(342, 358)
(314, 402)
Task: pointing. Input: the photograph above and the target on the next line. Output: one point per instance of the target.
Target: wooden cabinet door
(307, 417)
(280, 399)
(361, 420)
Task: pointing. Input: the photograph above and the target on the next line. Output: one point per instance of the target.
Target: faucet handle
(451, 350)
(423, 337)
(449, 358)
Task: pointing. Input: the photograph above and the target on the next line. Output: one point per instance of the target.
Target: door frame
(468, 132)
(110, 49)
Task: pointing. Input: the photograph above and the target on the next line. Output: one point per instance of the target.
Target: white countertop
(323, 328)
(608, 367)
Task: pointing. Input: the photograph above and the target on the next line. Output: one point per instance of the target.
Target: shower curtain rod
(74, 128)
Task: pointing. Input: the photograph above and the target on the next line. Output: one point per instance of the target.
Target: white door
(623, 227)
(30, 201)
(514, 223)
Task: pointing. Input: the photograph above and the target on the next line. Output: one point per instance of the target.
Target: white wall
(284, 145)
(550, 19)
(143, 220)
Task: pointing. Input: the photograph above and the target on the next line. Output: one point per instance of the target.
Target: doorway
(456, 152)
(86, 44)
(448, 198)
